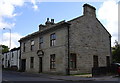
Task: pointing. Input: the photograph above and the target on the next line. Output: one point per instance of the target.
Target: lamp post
(10, 36)
(9, 61)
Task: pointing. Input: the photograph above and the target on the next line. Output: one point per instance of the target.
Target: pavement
(72, 78)
(76, 78)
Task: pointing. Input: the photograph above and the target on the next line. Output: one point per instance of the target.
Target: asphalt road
(14, 77)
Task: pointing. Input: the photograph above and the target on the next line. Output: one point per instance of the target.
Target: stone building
(75, 46)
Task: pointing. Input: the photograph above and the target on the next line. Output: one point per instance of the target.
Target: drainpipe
(110, 50)
(68, 66)
(20, 61)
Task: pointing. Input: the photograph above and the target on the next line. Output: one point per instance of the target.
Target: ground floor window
(95, 61)
(72, 61)
(108, 60)
(52, 61)
(31, 62)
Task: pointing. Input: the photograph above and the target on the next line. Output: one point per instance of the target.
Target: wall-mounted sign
(40, 53)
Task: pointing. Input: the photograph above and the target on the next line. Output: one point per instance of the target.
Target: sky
(22, 17)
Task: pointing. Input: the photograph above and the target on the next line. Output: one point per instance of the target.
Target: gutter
(20, 60)
(68, 66)
(110, 51)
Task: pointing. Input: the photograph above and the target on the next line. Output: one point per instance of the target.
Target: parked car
(116, 67)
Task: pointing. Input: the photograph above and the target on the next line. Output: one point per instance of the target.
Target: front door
(40, 64)
(8, 64)
(23, 64)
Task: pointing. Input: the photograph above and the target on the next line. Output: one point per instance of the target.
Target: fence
(102, 71)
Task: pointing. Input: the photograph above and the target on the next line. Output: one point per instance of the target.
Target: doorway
(40, 64)
(23, 65)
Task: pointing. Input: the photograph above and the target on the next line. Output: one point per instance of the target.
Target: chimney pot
(47, 19)
(52, 20)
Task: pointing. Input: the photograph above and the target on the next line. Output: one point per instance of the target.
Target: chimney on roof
(41, 27)
(49, 23)
(47, 19)
(52, 21)
(89, 10)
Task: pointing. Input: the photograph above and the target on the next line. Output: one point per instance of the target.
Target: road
(17, 77)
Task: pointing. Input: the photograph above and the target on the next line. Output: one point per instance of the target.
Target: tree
(4, 48)
(116, 52)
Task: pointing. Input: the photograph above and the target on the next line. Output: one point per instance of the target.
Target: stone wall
(88, 38)
(59, 50)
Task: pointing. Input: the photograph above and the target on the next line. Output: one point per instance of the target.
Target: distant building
(15, 58)
(12, 58)
(75, 46)
(6, 59)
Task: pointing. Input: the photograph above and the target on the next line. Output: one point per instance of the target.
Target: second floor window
(52, 39)
(23, 47)
(32, 45)
(41, 42)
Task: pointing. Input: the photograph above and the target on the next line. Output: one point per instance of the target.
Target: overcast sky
(23, 17)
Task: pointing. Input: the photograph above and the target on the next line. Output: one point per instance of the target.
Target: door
(40, 64)
(8, 64)
(23, 64)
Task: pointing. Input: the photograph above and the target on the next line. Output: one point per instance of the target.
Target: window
(72, 61)
(12, 54)
(32, 44)
(52, 39)
(41, 42)
(31, 62)
(52, 61)
(23, 47)
(95, 61)
(108, 60)
(6, 56)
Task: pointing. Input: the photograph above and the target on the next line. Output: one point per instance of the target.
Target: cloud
(5, 24)
(7, 10)
(14, 39)
(35, 7)
(108, 14)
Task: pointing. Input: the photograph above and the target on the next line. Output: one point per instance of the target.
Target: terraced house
(11, 59)
(71, 47)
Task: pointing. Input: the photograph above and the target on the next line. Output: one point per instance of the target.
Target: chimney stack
(41, 27)
(47, 19)
(89, 10)
(52, 21)
(47, 22)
